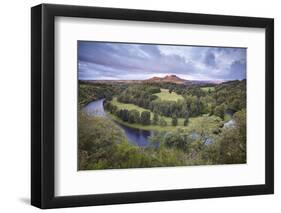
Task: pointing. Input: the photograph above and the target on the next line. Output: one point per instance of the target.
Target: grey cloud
(117, 60)
(210, 59)
(237, 69)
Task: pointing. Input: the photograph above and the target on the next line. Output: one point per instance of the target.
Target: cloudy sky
(123, 61)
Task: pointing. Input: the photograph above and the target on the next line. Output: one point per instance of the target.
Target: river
(135, 136)
(95, 108)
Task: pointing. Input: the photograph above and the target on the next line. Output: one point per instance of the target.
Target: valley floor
(213, 122)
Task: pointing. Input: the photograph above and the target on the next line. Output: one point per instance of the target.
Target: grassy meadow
(165, 95)
(201, 120)
(208, 89)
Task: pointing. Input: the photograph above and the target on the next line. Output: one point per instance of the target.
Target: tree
(114, 109)
(186, 120)
(145, 118)
(193, 109)
(155, 118)
(178, 140)
(123, 114)
(108, 106)
(174, 120)
(219, 111)
(162, 122)
(134, 116)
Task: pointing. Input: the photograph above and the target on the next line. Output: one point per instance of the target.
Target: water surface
(137, 137)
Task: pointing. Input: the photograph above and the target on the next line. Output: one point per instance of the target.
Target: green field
(164, 95)
(140, 109)
(127, 106)
(212, 121)
(207, 89)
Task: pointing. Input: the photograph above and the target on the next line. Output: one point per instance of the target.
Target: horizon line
(224, 80)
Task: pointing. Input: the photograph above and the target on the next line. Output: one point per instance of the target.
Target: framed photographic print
(139, 106)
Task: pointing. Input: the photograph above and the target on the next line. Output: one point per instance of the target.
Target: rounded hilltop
(167, 78)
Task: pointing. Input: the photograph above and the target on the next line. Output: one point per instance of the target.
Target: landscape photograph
(160, 105)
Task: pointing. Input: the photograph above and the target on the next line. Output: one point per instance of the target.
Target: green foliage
(145, 118)
(232, 94)
(162, 122)
(233, 141)
(140, 95)
(186, 118)
(229, 147)
(152, 89)
(177, 140)
(155, 118)
(103, 145)
(174, 120)
(110, 107)
(123, 114)
(205, 126)
(219, 111)
(178, 99)
(90, 92)
(134, 116)
(98, 138)
(194, 152)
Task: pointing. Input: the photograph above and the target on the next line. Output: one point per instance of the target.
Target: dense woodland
(200, 110)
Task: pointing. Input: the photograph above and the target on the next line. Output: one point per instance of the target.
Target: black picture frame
(43, 102)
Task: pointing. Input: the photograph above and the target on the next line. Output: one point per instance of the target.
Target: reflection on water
(136, 136)
(95, 108)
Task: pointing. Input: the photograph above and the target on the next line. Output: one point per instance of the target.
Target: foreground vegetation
(103, 145)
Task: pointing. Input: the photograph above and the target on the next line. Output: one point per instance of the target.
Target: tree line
(94, 91)
(226, 97)
(145, 118)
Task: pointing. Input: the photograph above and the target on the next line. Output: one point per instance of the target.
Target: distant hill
(178, 80)
(168, 78)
